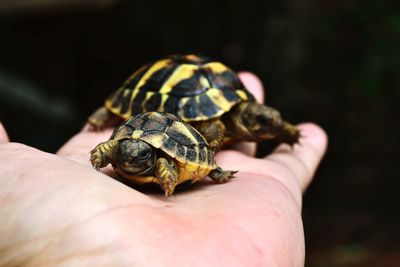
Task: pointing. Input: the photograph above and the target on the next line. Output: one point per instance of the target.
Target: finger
(3, 134)
(303, 159)
(254, 85)
(247, 148)
(80, 145)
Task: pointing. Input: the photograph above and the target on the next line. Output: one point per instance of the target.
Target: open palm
(56, 210)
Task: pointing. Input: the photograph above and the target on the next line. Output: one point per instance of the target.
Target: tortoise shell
(192, 87)
(173, 137)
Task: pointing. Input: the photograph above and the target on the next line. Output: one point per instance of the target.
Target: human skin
(56, 210)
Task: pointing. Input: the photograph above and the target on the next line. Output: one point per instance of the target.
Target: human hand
(56, 210)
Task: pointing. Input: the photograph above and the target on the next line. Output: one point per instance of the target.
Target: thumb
(302, 160)
(3, 135)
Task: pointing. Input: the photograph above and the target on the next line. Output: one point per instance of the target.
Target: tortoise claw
(102, 154)
(96, 162)
(221, 176)
(167, 175)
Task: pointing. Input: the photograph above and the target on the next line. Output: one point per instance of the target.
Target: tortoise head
(261, 121)
(135, 157)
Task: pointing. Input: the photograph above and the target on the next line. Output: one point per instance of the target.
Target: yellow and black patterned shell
(169, 134)
(192, 87)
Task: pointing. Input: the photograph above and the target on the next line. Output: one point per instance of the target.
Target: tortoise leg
(214, 132)
(103, 154)
(221, 176)
(167, 175)
(101, 118)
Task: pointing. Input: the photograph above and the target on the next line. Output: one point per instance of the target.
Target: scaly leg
(101, 119)
(167, 175)
(213, 132)
(103, 154)
(221, 176)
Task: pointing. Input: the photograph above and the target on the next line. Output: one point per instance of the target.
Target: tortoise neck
(235, 125)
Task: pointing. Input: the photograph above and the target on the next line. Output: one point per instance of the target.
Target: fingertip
(303, 158)
(87, 127)
(3, 134)
(315, 136)
(253, 84)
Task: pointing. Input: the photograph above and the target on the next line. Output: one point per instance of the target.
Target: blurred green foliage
(335, 63)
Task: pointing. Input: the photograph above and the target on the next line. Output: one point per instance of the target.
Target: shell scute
(171, 135)
(193, 87)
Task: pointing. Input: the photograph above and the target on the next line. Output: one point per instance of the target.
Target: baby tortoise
(200, 91)
(160, 148)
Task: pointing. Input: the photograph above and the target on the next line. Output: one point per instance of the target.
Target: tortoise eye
(262, 120)
(144, 155)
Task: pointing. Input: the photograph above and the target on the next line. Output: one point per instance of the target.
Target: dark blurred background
(332, 62)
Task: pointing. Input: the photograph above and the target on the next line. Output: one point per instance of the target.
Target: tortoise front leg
(103, 154)
(167, 175)
(101, 119)
(221, 176)
(213, 131)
